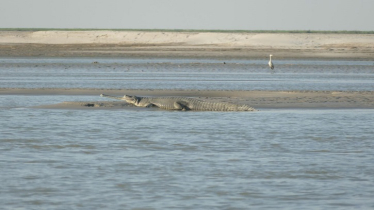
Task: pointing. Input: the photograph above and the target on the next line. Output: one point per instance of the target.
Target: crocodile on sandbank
(181, 103)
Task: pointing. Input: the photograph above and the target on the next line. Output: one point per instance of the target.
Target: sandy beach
(186, 45)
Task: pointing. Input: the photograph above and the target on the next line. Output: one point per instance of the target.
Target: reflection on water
(186, 74)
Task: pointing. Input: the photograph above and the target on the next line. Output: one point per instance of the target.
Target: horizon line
(190, 30)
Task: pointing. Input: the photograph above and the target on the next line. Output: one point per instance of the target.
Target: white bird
(271, 65)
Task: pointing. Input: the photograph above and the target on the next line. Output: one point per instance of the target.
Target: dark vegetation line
(189, 30)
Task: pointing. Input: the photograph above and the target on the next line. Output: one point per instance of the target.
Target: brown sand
(186, 45)
(256, 99)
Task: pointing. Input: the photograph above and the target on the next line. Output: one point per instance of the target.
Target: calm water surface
(186, 74)
(154, 159)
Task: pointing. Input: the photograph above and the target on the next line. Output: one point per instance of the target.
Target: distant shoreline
(191, 30)
(186, 44)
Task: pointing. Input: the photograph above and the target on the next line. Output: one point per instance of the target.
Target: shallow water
(132, 159)
(155, 159)
(186, 74)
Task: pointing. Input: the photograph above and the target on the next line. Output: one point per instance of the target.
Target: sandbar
(257, 98)
(186, 45)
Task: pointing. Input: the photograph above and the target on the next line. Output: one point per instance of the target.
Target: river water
(156, 159)
(186, 74)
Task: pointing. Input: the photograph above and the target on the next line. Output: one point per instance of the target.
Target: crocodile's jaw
(131, 99)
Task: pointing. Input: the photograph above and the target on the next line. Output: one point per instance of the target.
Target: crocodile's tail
(113, 97)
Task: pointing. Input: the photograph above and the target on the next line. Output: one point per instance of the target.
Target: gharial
(181, 103)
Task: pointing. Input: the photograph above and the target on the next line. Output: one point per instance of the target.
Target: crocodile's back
(217, 106)
(196, 104)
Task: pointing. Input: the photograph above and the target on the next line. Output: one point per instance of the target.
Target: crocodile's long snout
(112, 97)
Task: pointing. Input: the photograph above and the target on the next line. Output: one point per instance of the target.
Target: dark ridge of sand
(170, 51)
(256, 99)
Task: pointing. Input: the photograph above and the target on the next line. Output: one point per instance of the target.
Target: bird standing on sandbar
(271, 65)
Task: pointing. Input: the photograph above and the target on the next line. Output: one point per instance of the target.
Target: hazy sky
(190, 14)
